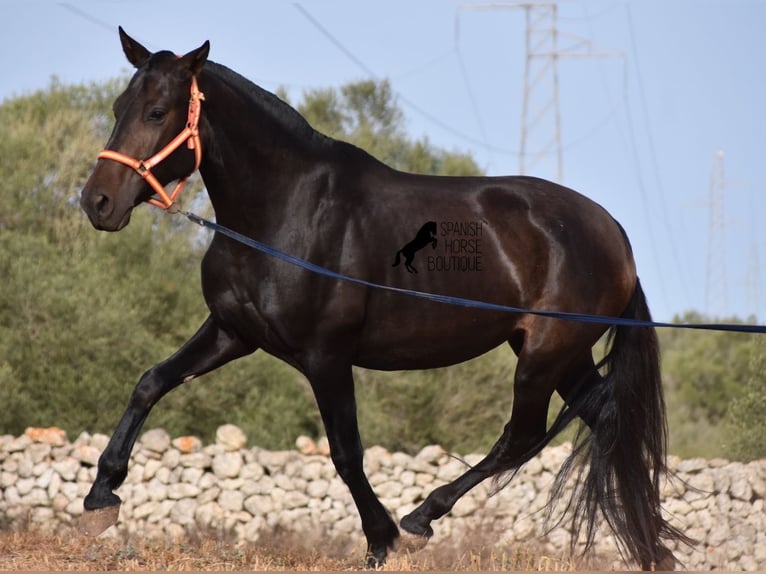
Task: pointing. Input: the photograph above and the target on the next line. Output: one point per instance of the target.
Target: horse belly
(434, 336)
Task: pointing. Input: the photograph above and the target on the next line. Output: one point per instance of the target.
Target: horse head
(151, 115)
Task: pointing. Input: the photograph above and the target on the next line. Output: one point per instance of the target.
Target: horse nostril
(101, 204)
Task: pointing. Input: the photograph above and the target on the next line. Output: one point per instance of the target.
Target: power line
(418, 109)
(85, 16)
(467, 82)
(545, 44)
(664, 212)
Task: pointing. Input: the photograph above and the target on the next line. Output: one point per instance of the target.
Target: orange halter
(190, 135)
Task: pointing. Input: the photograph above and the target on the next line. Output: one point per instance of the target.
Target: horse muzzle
(105, 213)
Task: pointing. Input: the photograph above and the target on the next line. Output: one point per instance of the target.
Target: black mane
(278, 109)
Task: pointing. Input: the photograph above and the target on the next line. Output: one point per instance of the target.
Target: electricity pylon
(540, 148)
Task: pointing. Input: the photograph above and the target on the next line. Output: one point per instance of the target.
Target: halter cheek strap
(189, 135)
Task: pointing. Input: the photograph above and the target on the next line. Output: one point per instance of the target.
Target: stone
(231, 437)
(183, 512)
(704, 482)
(209, 495)
(274, 460)
(323, 446)
(346, 525)
(143, 510)
(423, 479)
(317, 488)
(156, 440)
(305, 445)
(99, 441)
(25, 485)
(757, 479)
(53, 436)
(171, 458)
(183, 490)
(552, 458)
(150, 468)
(251, 471)
(231, 500)
(209, 514)
(227, 464)
(187, 444)
(430, 454)
(740, 487)
(156, 490)
(17, 444)
(407, 478)
(191, 475)
(161, 510)
(67, 468)
(198, 459)
(389, 489)
(39, 452)
(44, 480)
(251, 530)
(691, 465)
(311, 471)
(259, 505)
(87, 454)
(295, 499)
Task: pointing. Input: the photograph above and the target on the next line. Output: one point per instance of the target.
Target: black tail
(622, 456)
(396, 261)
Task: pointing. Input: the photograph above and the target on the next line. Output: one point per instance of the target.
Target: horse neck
(251, 157)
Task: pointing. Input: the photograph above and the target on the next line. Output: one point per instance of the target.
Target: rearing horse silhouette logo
(426, 235)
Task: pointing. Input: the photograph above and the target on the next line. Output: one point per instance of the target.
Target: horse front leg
(334, 391)
(207, 350)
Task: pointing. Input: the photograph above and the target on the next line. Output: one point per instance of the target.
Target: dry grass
(33, 550)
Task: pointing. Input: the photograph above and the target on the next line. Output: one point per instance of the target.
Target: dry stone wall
(177, 486)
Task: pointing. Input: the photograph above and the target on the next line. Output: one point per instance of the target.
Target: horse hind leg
(612, 474)
(523, 437)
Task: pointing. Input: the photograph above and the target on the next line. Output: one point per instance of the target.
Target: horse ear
(195, 59)
(134, 52)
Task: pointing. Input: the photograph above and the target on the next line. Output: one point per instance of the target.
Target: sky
(661, 103)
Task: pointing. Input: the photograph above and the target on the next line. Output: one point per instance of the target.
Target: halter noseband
(190, 135)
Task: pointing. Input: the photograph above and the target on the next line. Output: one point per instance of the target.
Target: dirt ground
(34, 550)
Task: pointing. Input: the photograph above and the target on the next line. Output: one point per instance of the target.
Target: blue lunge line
(459, 301)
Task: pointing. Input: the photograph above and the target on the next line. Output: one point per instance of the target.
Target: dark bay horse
(272, 177)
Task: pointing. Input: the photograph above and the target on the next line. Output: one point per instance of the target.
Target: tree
(83, 314)
(746, 423)
(367, 115)
(705, 373)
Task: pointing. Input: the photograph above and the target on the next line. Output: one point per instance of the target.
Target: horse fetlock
(100, 497)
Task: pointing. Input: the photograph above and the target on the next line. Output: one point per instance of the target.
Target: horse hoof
(414, 525)
(94, 522)
(410, 542)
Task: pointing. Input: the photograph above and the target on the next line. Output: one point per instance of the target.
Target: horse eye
(156, 115)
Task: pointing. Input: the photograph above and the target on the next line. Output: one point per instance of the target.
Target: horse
(425, 236)
(272, 177)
